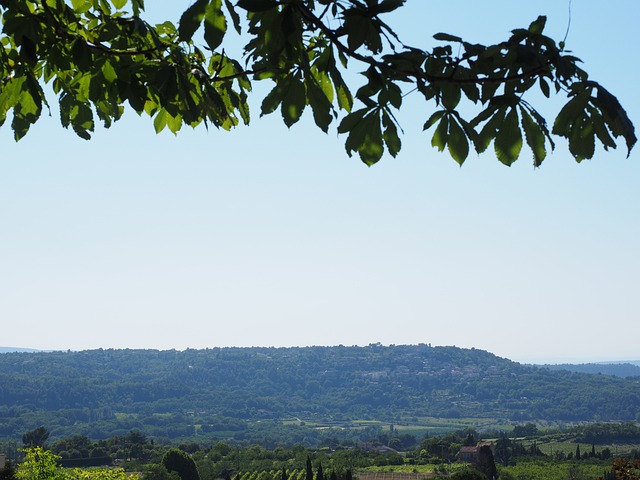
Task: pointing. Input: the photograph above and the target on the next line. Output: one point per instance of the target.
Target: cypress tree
(486, 463)
(309, 475)
(176, 460)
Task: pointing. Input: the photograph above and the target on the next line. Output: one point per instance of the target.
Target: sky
(272, 237)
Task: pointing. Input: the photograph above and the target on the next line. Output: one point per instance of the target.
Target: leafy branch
(99, 58)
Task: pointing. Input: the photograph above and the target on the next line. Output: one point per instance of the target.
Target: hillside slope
(626, 369)
(171, 393)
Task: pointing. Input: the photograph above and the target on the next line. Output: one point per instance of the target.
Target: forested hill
(221, 391)
(626, 369)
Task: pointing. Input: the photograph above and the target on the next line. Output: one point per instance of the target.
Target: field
(551, 471)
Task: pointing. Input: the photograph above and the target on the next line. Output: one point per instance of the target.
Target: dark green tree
(176, 460)
(284, 475)
(309, 470)
(319, 472)
(8, 472)
(470, 440)
(486, 463)
(503, 450)
(101, 56)
(527, 430)
(36, 438)
(578, 452)
(158, 472)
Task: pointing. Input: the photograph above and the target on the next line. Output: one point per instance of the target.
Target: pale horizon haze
(272, 237)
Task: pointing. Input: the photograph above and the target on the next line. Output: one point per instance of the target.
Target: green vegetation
(101, 57)
(547, 470)
(297, 395)
(176, 460)
(440, 456)
(41, 464)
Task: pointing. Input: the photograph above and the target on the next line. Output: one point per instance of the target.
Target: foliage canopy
(176, 460)
(100, 55)
(250, 393)
(41, 464)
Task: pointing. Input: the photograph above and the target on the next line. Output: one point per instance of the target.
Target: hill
(626, 369)
(16, 349)
(233, 393)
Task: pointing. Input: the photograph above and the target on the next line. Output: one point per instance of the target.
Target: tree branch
(418, 74)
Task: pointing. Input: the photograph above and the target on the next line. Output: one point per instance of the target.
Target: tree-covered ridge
(221, 389)
(616, 369)
(101, 57)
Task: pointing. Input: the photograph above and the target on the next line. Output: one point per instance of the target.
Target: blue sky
(269, 236)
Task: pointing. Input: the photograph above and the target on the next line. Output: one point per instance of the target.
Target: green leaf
(174, 123)
(345, 99)
(191, 19)
(109, 72)
(390, 134)
(537, 26)
(440, 136)
(582, 139)
(350, 121)
(356, 132)
(235, 18)
(508, 141)
(601, 130)
(450, 95)
(394, 94)
(433, 119)
(573, 109)
(81, 6)
(544, 86)
(160, 120)
(274, 98)
(488, 91)
(535, 138)
(371, 149)
(293, 102)
(25, 113)
(357, 27)
(215, 24)
(257, 5)
(445, 37)
(119, 4)
(167, 84)
(457, 142)
(137, 7)
(616, 118)
(489, 130)
(81, 54)
(319, 103)
(387, 6)
(364, 135)
(324, 82)
(82, 85)
(82, 121)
